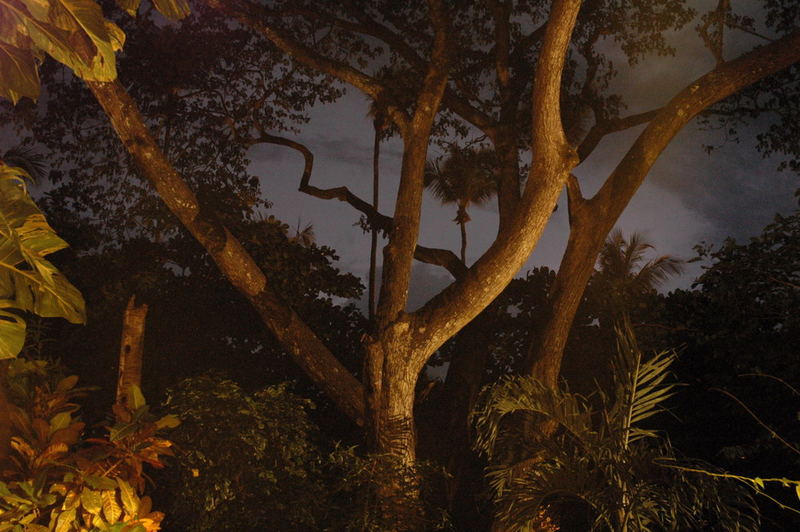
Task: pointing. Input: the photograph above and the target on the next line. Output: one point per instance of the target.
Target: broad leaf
(18, 74)
(174, 9)
(12, 334)
(27, 280)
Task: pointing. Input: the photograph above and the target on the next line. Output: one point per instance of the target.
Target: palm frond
(27, 158)
(640, 389)
(519, 394)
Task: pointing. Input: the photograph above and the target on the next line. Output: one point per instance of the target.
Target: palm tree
(626, 476)
(465, 177)
(623, 277)
(28, 159)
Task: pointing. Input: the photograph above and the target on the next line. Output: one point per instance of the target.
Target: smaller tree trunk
(373, 250)
(131, 350)
(463, 226)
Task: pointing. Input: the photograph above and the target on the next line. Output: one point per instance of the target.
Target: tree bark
(234, 262)
(131, 352)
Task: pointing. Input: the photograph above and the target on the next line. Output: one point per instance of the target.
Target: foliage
(74, 32)
(253, 461)
(59, 481)
(740, 331)
(608, 461)
(28, 282)
(244, 461)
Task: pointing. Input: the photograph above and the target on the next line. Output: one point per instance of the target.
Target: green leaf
(91, 501)
(12, 334)
(27, 280)
(168, 422)
(174, 9)
(19, 76)
(111, 509)
(135, 398)
(67, 383)
(65, 521)
(60, 421)
(130, 502)
(797, 490)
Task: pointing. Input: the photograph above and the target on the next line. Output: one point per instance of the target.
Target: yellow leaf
(116, 36)
(131, 6)
(174, 9)
(111, 509)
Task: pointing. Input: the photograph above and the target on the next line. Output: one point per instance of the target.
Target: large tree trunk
(391, 434)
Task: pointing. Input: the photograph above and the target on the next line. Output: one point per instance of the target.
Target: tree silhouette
(623, 276)
(465, 177)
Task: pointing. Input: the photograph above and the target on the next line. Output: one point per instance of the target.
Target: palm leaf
(639, 385)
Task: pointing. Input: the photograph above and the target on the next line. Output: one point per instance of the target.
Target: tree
(504, 70)
(740, 332)
(466, 177)
(622, 277)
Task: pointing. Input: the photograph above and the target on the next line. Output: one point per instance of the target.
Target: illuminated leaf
(92, 501)
(12, 334)
(129, 499)
(174, 9)
(131, 6)
(18, 75)
(111, 509)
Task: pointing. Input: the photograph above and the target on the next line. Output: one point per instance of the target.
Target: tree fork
(597, 216)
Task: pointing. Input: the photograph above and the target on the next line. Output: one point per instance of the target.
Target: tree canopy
(531, 81)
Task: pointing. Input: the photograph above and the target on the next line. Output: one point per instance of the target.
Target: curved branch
(255, 16)
(437, 257)
(709, 89)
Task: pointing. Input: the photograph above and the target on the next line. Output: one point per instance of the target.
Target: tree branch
(606, 127)
(255, 17)
(399, 251)
(233, 260)
(709, 89)
(437, 257)
(457, 304)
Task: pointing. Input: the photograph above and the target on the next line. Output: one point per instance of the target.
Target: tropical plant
(465, 177)
(607, 462)
(28, 282)
(59, 481)
(74, 33)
